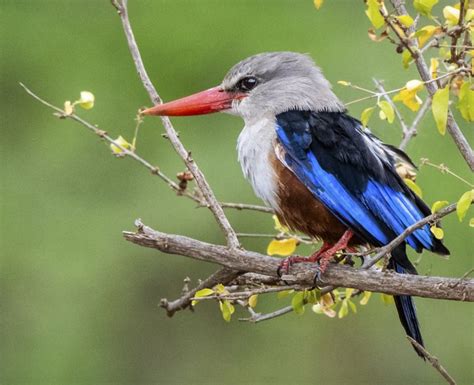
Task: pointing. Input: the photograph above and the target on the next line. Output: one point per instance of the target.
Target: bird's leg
(328, 254)
(288, 262)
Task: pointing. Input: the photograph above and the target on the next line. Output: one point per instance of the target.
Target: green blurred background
(80, 305)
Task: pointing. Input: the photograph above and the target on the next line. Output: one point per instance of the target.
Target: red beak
(205, 102)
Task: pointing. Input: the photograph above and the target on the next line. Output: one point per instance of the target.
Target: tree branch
(303, 274)
(213, 204)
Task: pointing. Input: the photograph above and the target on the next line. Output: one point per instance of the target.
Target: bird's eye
(247, 83)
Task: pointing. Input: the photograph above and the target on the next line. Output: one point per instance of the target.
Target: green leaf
(424, 6)
(463, 204)
(297, 302)
(365, 298)
(439, 107)
(227, 309)
(202, 293)
(414, 187)
(253, 299)
(387, 109)
(284, 293)
(437, 232)
(352, 305)
(438, 205)
(465, 104)
(406, 58)
(373, 13)
(366, 114)
(343, 310)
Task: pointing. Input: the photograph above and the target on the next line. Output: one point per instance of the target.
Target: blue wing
(354, 176)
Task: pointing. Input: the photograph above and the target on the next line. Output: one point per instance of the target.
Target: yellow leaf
(87, 100)
(424, 6)
(284, 293)
(406, 20)
(465, 104)
(68, 108)
(201, 293)
(406, 58)
(365, 298)
(451, 15)
(471, 222)
(283, 247)
(121, 142)
(463, 204)
(439, 107)
(278, 226)
(408, 95)
(343, 83)
(373, 13)
(253, 300)
(318, 3)
(438, 205)
(387, 299)
(437, 232)
(425, 33)
(220, 289)
(434, 64)
(366, 114)
(325, 306)
(349, 291)
(414, 187)
(387, 109)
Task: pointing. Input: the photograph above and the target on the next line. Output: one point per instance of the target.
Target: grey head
(275, 82)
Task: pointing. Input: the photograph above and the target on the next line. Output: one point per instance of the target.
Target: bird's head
(267, 83)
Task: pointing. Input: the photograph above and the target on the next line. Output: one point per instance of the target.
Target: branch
(303, 274)
(452, 127)
(223, 276)
(132, 154)
(213, 204)
(433, 361)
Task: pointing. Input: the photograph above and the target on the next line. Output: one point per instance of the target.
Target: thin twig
(133, 154)
(216, 209)
(413, 129)
(434, 361)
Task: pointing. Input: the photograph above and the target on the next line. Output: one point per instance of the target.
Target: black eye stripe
(247, 83)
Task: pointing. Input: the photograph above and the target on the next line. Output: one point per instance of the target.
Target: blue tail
(404, 303)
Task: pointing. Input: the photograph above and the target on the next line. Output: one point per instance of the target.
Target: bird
(320, 169)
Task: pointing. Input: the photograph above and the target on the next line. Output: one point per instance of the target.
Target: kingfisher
(321, 171)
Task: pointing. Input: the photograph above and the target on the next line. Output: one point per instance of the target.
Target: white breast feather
(254, 145)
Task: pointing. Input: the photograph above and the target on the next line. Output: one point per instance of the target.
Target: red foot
(323, 255)
(288, 262)
(341, 244)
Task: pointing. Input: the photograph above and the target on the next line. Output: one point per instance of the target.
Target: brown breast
(301, 211)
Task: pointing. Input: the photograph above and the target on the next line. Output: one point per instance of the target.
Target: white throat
(255, 143)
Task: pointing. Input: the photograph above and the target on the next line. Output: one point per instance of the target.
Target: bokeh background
(79, 305)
